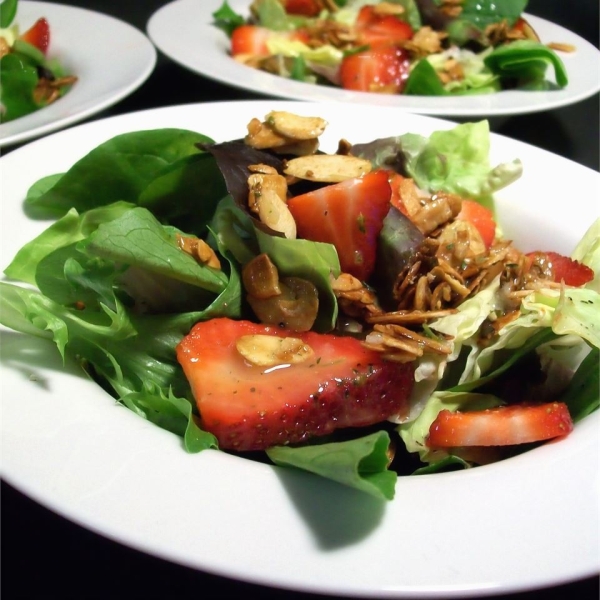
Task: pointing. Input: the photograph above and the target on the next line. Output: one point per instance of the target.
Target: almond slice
(271, 350)
(294, 126)
(327, 168)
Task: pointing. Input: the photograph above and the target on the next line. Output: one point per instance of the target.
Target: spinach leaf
(424, 81)
(8, 10)
(185, 194)
(486, 12)
(119, 169)
(227, 19)
(526, 61)
(18, 79)
(361, 463)
(582, 396)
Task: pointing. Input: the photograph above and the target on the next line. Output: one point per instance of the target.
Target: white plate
(183, 31)
(530, 521)
(111, 59)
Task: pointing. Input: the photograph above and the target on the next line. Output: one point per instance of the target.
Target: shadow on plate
(34, 357)
(337, 515)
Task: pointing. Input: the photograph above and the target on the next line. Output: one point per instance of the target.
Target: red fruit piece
(377, 29)
(250, 39)
(382, 69)
(502, 426)
(38, 35)
(565, 269)
(348, 215)
(481, 217)
(251, 407)
(306, 8)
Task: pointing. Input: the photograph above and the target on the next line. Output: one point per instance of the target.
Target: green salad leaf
(526, 62)
(361, 463)
(120, 169)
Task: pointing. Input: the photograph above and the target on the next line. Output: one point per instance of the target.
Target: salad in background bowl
(410, 47)
(174, 279)
(30, 79)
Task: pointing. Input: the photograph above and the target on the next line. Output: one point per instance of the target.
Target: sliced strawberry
(38, 35)
(375, 29)
(348, 215)
(251, 407)
(522, 26)
(502, 426)
(250, 39)
(481, 217)
(306, 8)
(382, 69)
(395, 180)
(563, 268)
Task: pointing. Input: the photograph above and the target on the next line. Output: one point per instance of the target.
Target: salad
(413, 47)
(357, 314)
(29, 79)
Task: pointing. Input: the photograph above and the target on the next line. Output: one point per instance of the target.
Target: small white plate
(110, 58)
(527, 522)
(183, 30)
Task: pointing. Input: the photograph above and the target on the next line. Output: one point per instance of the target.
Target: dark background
(46, 556)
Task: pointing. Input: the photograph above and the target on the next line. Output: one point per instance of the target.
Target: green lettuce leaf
(117, 170)
(361, 463)
(527, 61)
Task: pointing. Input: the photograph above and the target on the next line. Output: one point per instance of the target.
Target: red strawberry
(563, 268)
(250, 39)
(251, 407)
(501, 426)
(481, 217)
(306, 8)
(348, 215)
(38, 35)
(381, 69)
(376, 29)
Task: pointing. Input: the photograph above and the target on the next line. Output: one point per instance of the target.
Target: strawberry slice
(251, 407)
(565, 269)
(38, 35)
(250, 39)
(480, 216)
(382, 69)
(377, 29)
(305, 8)
(501, 426)
(348, 215)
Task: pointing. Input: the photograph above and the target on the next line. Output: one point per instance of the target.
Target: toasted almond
(295, 127)
(274, 212)
(327, 168)
(271, 350)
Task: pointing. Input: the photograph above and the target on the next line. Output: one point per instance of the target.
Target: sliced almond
(270, 350)
(327, 168)
(261, 183)
(262, 136)
(274, 213)
(294, 126)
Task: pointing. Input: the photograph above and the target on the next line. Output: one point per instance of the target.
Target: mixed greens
(29, 79)
(411, 47)
(109, 284)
